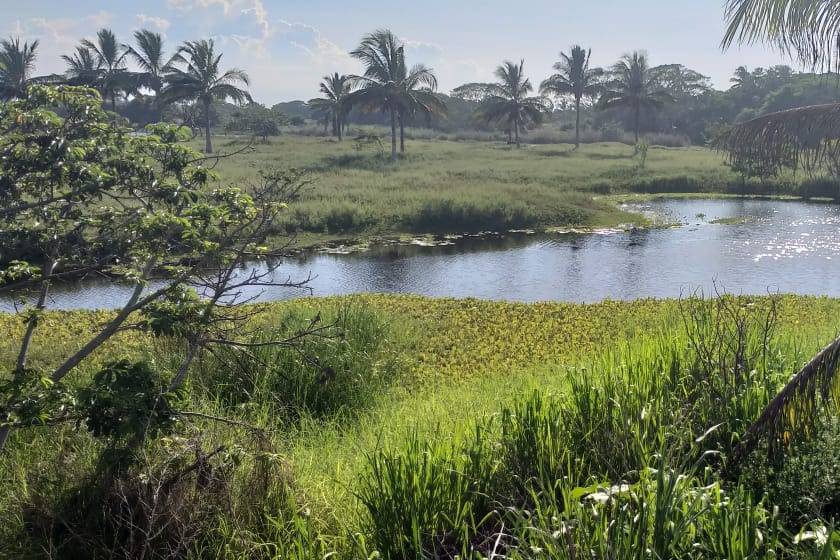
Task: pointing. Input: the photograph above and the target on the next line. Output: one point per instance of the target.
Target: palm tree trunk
(510, 137)
(402, 134)
(577, 122)
(338, 126)
(208, 144)
(516, 131)
(636, 123)
(393, 135)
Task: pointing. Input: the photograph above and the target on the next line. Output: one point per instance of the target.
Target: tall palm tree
(635, 87)
(808, 137)
(17, 61)
(109, 55)
(390, 86)
(148, 53)
(507, 100)
(574, 77)
(82, 69)
(201, 79)
(334, 106)
(417, 93)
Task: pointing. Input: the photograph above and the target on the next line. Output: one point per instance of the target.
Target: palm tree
(507, 101)
(417, 92)
(17, 62)
(109, 56)
(635, 87)
(574, 77)
(390, 86)
(202, 80)
(148, 53)
(82, 69)
(334, 106)
(807, 136)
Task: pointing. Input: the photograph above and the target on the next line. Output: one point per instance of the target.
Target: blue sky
(286, 46)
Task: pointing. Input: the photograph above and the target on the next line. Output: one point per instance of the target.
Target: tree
(634, 86)
(82, 69)
(507, 101)
(202, 80)
(81, 195)
(574, 77)
(148, 53)
(257, 120)
(112, 78)
(388, 84)
(334, 106)
(17, 61)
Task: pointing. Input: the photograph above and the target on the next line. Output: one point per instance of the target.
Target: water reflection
(784, 246)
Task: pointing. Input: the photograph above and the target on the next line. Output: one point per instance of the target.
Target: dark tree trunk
(577, 122)
(516, 132)
(208, 143)
(339, 124)
(393, 135)
(402, 134)
(636, 123)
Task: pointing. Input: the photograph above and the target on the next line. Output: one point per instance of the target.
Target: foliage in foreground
(615, 457)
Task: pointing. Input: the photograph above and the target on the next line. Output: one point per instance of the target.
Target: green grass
(443, 186)
(447, 418)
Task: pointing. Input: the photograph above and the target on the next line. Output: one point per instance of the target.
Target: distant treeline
(698, 112)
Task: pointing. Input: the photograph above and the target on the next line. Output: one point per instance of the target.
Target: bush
(806, 482)
(337, 370)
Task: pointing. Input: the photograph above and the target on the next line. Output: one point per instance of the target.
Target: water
(778, 247)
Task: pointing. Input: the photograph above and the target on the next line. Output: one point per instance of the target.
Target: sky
(286, 46)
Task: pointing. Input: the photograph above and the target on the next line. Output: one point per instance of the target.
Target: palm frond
(806, 137)
(794, 411)
(807, 29)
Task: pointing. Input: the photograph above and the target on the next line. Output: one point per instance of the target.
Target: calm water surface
(778, 247)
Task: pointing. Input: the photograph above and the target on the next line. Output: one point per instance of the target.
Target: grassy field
(453, 187)
(447, 425)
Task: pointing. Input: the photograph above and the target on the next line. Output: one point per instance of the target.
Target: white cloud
(160, 23)
(58, 36)
(311, 42)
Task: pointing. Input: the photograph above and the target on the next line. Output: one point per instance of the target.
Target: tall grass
(457, 428)
(471, 186)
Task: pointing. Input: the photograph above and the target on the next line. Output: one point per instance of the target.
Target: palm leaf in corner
(808, 31)
(795, 410)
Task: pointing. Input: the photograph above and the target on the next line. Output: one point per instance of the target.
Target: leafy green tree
(634, 86)
(507, 100)
(202, 80)
(17, 62)
(334, 106)
(389, 85)
(79, 195)
(257, 120)
(574, 77)
(112, 77)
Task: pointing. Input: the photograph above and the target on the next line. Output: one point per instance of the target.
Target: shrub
(338, 370)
